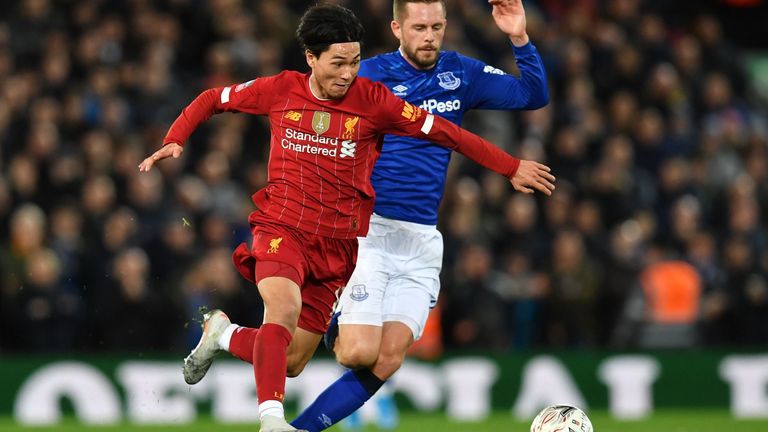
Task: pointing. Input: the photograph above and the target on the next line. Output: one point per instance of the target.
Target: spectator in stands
(653, 125)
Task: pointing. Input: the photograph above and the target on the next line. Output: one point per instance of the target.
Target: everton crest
(321, 121)
(448, 80)
(359, 292)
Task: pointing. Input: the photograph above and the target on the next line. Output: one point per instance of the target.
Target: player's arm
(246, 97)
(402, 118)
(492, 88)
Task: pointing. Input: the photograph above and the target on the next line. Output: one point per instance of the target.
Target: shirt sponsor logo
(448, 81)
(293, 115)
(274, 245)
(432, 105)
(321, 121)
(348, 148)
(243, 85)
(493, 70)
(411, 112)
(358, 293)
(399, 90)
(302, 142)
(349, 125)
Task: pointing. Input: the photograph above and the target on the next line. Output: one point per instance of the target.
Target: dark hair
(326, 24)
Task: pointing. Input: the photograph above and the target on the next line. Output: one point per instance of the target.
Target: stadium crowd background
(658, 140)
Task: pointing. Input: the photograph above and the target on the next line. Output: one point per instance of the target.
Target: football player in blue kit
(384, 308)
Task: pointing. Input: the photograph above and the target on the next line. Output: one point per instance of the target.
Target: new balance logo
(293, 115)
(348, 148)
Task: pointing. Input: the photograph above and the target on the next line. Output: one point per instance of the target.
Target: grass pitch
(662, 421)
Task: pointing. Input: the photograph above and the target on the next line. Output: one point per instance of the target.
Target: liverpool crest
(321, 121)
(350, 124)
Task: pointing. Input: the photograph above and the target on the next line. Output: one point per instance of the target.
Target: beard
(422, 58)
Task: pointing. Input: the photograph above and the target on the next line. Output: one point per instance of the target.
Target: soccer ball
(561, 418)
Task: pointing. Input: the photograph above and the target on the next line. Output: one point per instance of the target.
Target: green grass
(662, 421)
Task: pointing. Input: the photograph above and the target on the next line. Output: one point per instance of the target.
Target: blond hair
(398, 7)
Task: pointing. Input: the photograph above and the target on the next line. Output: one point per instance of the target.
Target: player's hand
(510, 18)
(532, 176)
(169, 150)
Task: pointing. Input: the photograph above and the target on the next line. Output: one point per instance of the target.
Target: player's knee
(356, 355)
(284, 314)
(388, 362)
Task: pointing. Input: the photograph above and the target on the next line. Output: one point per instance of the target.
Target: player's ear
(395, 26)
(311, 59)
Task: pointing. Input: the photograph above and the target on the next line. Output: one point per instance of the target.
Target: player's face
(421, 30)
(334, 70)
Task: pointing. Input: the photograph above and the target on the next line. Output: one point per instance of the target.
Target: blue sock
(340, 399)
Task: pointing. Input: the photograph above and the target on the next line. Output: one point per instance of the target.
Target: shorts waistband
(411, 226)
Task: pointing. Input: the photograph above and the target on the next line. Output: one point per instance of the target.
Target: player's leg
(282, 304)
(360, 303)
(301, 350)
(357, 345)
(410, 296)
(280, 269)
(239, 342)
(219, 334)
(397, 337)
(406, 308)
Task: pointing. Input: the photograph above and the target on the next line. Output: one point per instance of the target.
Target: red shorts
(322, 265)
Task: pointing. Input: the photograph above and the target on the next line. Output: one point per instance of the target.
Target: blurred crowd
(655, 237)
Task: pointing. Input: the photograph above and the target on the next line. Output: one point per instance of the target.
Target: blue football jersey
(409, 177)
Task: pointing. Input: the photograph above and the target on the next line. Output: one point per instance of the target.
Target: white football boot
(277, 424)
(198, 362)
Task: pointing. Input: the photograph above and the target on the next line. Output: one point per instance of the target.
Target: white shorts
(397, 276)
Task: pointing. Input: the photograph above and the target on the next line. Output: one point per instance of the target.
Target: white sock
(271, 408)
(226, 336)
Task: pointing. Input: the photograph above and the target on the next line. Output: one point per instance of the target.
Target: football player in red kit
(326, 132)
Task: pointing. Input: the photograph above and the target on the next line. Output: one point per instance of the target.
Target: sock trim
(370, 382)
(272, 408)
(226, 336)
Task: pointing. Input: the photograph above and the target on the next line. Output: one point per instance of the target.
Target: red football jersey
(322, 152)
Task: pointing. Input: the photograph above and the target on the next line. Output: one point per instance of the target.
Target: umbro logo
(399, 89)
